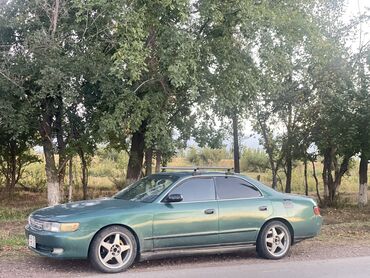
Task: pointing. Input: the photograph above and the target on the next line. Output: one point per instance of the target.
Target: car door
(242, 210)
(193, 221)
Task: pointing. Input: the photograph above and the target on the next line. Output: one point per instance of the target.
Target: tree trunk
(289, 166)
(274, 178)
(362, 194)
(136, 157)
(62, 161)
(330, 164)
(288, 149)
(55, 15)
(270, 152)
(85, 174)
(158, 158)
(13, 178)
(316, 181)
(11, 172)
(148, 162)
(51, 170)
(305, 177)
(236, 144)
(70, 178)
(326, 172)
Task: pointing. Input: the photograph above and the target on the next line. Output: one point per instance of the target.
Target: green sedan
(174, 212)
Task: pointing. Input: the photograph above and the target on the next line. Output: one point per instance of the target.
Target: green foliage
(172, 70)
(109, 163)
(254, 160)
(206, 156)
(34, 178)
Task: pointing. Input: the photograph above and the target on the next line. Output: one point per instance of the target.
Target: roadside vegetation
(142, 81)
(96, 94)
(107, 173)
(344, 223)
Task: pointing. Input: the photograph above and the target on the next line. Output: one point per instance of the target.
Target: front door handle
(209, 211)
(262, 208)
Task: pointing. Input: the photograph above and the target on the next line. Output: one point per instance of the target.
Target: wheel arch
(121, 225)
(283, 220)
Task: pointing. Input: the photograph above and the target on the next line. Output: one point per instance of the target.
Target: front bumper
(69, 245)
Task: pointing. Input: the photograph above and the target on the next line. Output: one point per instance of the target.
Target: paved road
(335, 268)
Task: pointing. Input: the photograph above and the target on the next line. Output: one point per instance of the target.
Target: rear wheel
(274, 241)
(113, 249)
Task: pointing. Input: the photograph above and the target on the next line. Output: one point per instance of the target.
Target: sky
(250, 139)
(354, 5)
(354, 8)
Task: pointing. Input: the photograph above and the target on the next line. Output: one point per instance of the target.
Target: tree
(17, 131)
(361, 107)
(157, 62)
(334, 129)
(282, 61)
(54, 56)
(230, 73)
(18, 126)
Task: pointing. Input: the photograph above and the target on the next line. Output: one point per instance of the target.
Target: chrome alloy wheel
(277, 240)
(115, 250)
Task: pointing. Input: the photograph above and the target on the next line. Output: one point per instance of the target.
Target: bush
(206, 156)
(108, 163)
(253, 160)
(119, 183)
(34, 178)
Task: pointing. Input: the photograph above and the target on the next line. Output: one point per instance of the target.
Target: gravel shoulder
(346, 234)
(24, 263)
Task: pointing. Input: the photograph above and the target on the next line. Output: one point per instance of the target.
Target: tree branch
(10, 80)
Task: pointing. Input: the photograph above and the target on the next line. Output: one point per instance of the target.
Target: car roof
(181, 174)
(197, 173)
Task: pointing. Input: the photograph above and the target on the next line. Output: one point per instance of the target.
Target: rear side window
(235, 188)
(196, 189)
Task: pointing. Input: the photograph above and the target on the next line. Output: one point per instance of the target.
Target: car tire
(274, 241)
(113, 249)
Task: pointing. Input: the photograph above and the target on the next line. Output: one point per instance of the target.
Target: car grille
(36, 224)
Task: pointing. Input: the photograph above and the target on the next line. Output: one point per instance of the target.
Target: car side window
(235, 188)
(196, 189)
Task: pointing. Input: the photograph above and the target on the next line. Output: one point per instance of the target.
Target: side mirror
(174, 198)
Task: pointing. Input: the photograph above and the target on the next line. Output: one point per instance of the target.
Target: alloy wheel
(277, 240)
(115, 250)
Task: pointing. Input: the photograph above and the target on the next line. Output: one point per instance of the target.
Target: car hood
(88, 208)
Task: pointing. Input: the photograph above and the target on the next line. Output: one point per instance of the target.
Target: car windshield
(147, 189)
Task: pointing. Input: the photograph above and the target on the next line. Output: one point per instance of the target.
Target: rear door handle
(262, 208)
(209, 211)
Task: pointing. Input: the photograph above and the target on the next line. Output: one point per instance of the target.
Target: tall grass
(349, 182)
(107, 170)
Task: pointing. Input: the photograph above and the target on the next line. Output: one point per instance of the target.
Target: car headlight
(69, 227)
(60, 227)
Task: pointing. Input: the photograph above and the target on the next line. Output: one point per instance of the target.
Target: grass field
(107, 173)
(349, 183)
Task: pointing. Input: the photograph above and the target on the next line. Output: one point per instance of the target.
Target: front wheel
(274, 241)
(113, 249)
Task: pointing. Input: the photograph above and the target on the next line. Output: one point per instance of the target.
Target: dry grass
(103, 172)
(349, 182)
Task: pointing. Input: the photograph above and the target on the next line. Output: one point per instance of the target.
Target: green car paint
(159, 225)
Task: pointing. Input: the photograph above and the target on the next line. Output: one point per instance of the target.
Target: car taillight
(316, 210)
